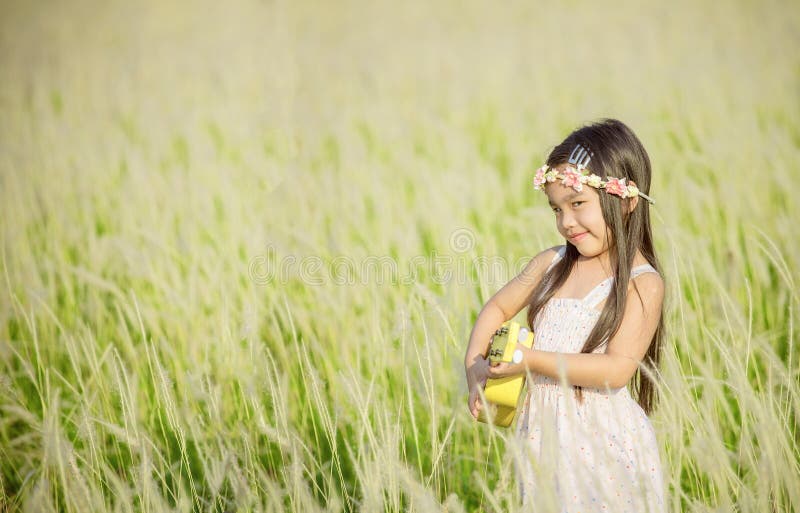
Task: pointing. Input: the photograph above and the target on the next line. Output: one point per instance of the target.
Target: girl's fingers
(496, 370)
(471, 402)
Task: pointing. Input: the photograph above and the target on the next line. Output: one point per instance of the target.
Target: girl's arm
(615, 367)
(504, 305)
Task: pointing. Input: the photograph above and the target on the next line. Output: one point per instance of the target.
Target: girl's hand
(477, 375)
(503, 369)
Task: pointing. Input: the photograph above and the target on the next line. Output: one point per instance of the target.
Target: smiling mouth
(578, 236)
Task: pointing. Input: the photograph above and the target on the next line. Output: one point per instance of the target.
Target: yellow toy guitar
(503, 393)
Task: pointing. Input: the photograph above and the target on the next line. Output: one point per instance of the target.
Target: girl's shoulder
(639, 260)
(552, 255)
(642, 267)
(646, 280)
(542, 262)
(549, 255)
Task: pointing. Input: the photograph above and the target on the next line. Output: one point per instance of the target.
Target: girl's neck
(603, 258)
(599, 263)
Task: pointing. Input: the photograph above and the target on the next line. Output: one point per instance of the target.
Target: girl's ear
(628, 205)
(632, 202)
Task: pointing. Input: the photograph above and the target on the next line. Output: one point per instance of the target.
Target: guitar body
(503, 394)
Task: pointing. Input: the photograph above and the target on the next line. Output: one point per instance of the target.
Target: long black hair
(616, 152)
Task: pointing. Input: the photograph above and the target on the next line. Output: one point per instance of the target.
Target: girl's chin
(587, 251)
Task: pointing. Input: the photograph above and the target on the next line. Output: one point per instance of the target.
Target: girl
(595, 306)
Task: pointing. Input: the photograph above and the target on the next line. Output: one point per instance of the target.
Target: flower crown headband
(576, 175)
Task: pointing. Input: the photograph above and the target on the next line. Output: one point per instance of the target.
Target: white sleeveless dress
(600, 454)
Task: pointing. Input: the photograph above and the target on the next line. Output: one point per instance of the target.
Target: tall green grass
(158, 160)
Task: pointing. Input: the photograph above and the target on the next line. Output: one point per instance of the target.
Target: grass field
(243, 245)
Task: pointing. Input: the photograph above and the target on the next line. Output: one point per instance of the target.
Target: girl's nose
(567, 220)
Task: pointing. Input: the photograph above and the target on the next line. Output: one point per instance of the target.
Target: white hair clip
(580, 156)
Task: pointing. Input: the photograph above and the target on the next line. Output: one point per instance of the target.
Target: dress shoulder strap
(646, 268)
(560, 252)
(599, 293)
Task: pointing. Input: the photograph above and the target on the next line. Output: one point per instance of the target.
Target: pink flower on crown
(539, 179)
(617, 186)
(572, 178)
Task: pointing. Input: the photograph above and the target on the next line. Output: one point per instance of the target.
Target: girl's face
(579, 218)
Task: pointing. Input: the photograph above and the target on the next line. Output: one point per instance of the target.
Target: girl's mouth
(576, 238)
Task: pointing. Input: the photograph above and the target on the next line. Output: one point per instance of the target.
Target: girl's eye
(575, 204)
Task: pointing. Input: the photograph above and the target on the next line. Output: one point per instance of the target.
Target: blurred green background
(162, 162)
